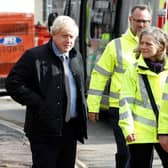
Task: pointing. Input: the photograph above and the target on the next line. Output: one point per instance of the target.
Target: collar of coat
(142, 67)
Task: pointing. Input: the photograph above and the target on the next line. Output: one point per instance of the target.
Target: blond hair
(64, 23)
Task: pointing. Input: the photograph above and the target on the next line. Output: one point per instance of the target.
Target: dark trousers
(122, 156)
(142, 155)
(56, 151)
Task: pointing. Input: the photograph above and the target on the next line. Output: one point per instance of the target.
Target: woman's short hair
(64, 23)
(160, 37)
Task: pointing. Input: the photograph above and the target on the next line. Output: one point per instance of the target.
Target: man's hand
(163, 140)
(93, 116)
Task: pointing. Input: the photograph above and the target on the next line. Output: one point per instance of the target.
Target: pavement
(15, 151)
(14, 147)
(98, 151)
(100, 148)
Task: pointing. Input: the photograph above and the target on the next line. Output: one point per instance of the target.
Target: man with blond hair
(49, 80)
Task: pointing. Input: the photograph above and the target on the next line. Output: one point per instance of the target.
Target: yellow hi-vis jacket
(117, 56)
(136, 113)
(163, 114)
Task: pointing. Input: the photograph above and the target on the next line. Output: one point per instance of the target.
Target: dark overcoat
(37, 81)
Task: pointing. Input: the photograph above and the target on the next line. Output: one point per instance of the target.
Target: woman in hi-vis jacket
(138, 120)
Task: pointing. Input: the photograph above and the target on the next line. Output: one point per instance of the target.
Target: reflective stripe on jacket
(163, 115)
(117, 56)
(136, 113)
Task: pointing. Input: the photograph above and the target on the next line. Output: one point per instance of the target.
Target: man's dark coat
(37, 81)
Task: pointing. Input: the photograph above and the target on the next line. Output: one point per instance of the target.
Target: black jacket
(37, 81)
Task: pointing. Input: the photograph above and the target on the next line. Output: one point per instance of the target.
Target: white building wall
(29, 6)
(38, 11)
(17, 6)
